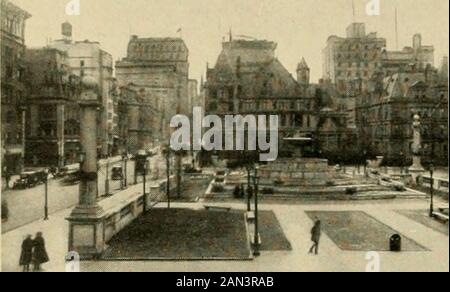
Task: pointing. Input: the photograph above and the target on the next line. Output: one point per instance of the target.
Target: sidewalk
(296, 226)
(55, 232)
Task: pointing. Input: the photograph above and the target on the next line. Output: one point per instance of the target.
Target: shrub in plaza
(268, 191)
(218, 189)
(351, 191)
(237, 192)
(330, 183)
(278, 182)
(219, 180)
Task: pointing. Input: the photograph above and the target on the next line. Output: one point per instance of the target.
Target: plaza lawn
(357, 231)
(182, 234)
(272, 236)
(193, 190)
(423, 217)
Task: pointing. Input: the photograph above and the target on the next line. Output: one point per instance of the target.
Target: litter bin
(395, 243)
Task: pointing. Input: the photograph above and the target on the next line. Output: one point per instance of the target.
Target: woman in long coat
(26, 255)
(40, 255)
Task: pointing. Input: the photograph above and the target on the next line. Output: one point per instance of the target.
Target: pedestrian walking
(40, 255)
(242, 192)
(26, 256)
(315, 237)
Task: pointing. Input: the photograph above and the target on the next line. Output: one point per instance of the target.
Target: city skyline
(317, 140)
(204, 34)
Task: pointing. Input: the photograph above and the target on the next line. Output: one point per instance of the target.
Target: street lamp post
(256, 251)
(431, 190)
(125, 177)
(402, 162)
(249, 205)
(365, 162)
(46, 195)
(144, 174)
(168, 176)
(107, 178)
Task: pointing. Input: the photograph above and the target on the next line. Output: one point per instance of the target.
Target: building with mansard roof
(384, 115)
(53, 115)
(89, 58)
(248, 79)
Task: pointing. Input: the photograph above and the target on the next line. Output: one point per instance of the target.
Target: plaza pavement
(296, 226)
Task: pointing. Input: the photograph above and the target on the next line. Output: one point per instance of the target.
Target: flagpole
(396, 28)
(353, 9)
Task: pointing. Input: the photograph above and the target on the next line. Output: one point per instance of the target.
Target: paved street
(26, 206)
(296, 225)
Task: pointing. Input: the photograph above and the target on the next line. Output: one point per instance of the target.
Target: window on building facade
(298, 120)
(10, 117)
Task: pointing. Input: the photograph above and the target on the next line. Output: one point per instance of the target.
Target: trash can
(395, 243)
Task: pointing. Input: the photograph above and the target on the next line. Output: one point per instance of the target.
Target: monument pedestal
(86, 223)
(416, 170)
(86, 232)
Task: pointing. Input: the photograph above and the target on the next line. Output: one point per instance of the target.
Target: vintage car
(30, 179)
(188, 169)
(68, 170)
(71, 179)
(117, 173)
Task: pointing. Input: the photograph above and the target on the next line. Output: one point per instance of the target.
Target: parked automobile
(68, 170)
(30, 179)
(71, 179)
(117, 173)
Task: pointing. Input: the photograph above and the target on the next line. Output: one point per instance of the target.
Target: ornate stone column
(416, 170)
(85, 222)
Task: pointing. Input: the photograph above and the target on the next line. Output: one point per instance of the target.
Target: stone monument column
(86, 222)
(416, 169)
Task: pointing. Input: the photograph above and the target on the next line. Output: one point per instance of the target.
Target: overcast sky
(300, 27)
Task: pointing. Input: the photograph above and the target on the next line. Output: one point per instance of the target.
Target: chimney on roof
(417, 41)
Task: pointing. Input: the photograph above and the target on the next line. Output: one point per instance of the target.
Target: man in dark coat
(315, 237)
(7, 176)
(26, 255)
(40, 255)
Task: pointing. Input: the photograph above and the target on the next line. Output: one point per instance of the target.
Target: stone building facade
(13, 93)
(354, 57)
(384, 116)
(53, 122)
(350, 62)
(87, 58)
(249, 79)
(158, 69)
(138, 121)
(419, 54)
